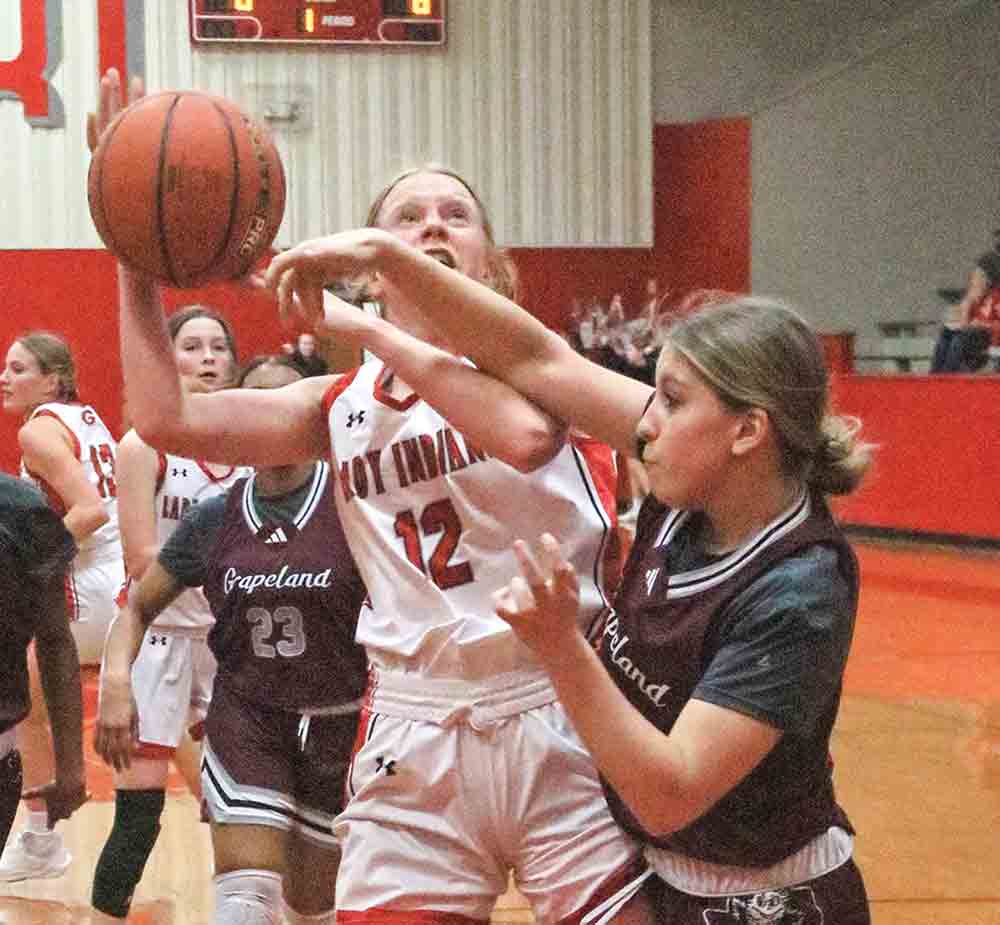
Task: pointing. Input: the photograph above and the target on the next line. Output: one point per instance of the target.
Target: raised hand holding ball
(184, 186)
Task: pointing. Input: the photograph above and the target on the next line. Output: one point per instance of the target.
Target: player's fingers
(93, 135)
(565, 579)
(504, 606)
(285, 290)
(521, 594)
(280, 265)
(111, 97)
(136, 89)
(120, 750)
(563, 574)
(530, 571)
(550, 553)
(310, 302)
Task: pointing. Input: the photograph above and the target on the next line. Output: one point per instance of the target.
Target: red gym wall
(705, 175)
(934, 466)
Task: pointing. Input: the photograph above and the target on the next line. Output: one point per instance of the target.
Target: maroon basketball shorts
(267, 766)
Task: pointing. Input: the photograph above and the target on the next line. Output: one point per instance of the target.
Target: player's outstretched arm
(248, 426)
(489, 412)
(499, 336)
(667, 779)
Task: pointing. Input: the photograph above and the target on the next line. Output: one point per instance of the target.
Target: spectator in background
(654, 301)
(306, 356)
(963, 344)
(616, 311)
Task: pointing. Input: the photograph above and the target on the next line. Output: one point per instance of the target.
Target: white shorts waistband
(825, 853)
(447, 701)
(198, 633)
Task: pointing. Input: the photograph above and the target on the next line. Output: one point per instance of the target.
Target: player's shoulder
(48, 423)
(337, 384)
(811, 583)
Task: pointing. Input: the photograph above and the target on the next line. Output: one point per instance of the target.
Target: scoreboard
(330, 22)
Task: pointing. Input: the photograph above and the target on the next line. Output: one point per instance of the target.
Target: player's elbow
(162, 432)
(536, 446)
(87, 519)
(152, 430)
(662, 814)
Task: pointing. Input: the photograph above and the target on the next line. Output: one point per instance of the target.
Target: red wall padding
(934, 468)
(75, 294)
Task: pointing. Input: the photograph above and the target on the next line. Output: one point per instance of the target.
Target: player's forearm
(515, 430)
(498, 335)
(82, 520)
(638, 760)
(59, 668)
(121, 648)
(152, 385)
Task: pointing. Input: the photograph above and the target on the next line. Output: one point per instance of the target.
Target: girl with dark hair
(273, 562)
(173, 675)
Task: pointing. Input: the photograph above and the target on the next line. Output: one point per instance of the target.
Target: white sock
(248, 897)
(38, 822)
(321, 918)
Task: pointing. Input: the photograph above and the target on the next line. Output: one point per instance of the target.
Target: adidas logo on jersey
(651, 575)
(273, 534)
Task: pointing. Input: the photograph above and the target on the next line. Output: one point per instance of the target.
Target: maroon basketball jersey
(285, 595)
(670, 623)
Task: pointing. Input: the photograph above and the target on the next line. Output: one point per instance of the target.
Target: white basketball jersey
(95, 448)
(431, 521)
(180, 484)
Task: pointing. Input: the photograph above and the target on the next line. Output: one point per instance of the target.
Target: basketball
(187, 187)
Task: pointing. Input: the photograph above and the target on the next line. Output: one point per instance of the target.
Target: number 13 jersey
(94, 446)
(431, 520)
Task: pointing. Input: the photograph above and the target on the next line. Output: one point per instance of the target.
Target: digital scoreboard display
(330, 22)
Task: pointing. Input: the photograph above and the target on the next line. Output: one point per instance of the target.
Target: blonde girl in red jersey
(69, 453)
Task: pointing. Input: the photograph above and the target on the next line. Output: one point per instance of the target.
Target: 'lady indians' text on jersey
(432, 520)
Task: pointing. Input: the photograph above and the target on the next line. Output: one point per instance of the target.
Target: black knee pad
(129, 844)
(11, 779)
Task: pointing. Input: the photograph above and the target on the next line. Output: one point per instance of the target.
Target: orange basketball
(186, 187)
